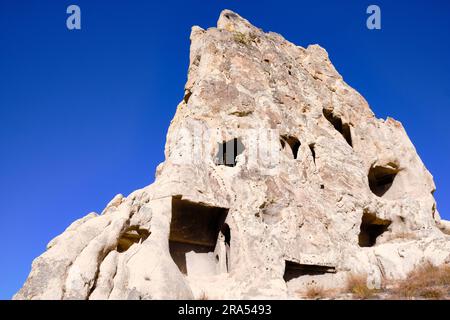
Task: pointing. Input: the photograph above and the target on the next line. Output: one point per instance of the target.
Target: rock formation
(277, 176)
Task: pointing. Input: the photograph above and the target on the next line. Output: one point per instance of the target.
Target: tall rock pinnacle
(277, 175)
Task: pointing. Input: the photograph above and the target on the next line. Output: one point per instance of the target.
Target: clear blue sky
(84, 114)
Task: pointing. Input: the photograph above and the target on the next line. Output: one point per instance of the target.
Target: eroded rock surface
(277, 176)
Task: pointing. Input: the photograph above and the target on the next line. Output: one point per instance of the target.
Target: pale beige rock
(302, 190)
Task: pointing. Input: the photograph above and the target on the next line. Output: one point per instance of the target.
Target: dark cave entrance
(381, 178)
(371, 228)
(337, 123)
(194, 227)
(131, 236)
(293, 143)
(294, 270)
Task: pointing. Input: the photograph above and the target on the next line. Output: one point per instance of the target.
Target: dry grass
(426, 282)
(357, 285)
(241, 38)
(245, 38)
(203, 296)
(315, 293)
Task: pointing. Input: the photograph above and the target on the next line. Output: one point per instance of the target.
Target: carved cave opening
(131, 236)
(294, 270)
(371, 228)
(194, 227)
(228, 151)
(381, 178)
(337, 123)
(293, 143)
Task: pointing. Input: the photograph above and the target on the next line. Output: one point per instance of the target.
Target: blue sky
(84, 114)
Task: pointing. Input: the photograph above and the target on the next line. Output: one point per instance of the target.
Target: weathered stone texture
(321, 188)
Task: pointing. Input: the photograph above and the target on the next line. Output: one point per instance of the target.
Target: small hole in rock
(187, 96)
(230, 15)
(131, 236)
(381, 178)
(337, 123)
(293, 142)
(371, 228)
